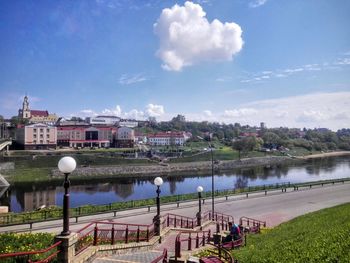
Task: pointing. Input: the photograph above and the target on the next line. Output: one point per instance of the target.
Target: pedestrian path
(139, 257)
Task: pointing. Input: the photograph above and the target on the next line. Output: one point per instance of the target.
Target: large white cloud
(154, 110)
(188, 38)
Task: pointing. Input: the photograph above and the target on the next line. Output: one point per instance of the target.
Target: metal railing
(38, 256)
(246, 221)
(100, 233)
(193, 239)
(162, 258)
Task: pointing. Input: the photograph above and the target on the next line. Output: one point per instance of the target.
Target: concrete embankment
(173, 168)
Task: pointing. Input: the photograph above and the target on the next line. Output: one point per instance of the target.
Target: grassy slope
(321, 236)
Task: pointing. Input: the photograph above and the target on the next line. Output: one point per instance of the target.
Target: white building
(168, 138)
(104, 120)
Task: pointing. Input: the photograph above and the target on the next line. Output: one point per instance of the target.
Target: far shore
(323, 155)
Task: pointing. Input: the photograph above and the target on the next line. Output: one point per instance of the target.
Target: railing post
(138, 235)
(208, 240)
(197, 241)
(147, 234)
(189, 242)
(175, 222)
(167, 221)
(217, 227)
(181, 222)
(203, 239)
(177, 248)
(95, 235)
(126, 235)
(112, 235)
(187, 223)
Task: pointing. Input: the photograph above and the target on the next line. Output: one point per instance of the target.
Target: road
(274, 208)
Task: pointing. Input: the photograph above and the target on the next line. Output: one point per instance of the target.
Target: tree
(271, 139)
(245, 145)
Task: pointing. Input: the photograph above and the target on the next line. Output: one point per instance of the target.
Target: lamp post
(158, 181)
(212, 177)
(199, 214)
(66, 165)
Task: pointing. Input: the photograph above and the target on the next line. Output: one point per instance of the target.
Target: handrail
(255, 222)
(163, 257)
(227, 255)
(199, 240)
(96, 232)
(27, 253)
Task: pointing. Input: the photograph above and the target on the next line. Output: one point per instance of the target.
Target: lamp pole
(212, 182)
(66, 165)
(199, 214)
(212, 177)
(158, 181)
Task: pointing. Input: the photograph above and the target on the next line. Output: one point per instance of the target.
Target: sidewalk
(275, 207)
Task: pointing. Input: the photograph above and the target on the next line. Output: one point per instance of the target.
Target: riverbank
(324, 155)
(121, 171)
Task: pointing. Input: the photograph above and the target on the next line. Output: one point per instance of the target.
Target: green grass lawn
(322, 236)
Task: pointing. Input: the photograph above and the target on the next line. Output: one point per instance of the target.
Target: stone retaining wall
(172, 168)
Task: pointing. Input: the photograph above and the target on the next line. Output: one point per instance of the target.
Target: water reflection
(26, 197)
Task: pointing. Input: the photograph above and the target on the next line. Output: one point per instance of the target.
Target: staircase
(139, 257)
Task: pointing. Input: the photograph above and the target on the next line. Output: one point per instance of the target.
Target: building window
(41, 141)
(34, 130)
(47, 130)
(41, 130)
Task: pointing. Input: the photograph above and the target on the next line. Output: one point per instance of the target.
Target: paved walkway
(274, 208)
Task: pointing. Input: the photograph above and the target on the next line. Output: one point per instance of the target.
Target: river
(30, 197)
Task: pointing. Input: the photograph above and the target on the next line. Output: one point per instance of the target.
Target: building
(35, 116)
(39, 136)
(103, 120)
(86, 136)
(168, 138)
(140, 138)
(125, 137)
(128, 123)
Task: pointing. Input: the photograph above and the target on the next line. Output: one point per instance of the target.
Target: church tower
(25, 112)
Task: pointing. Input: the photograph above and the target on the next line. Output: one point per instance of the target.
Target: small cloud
(86, 113)
(237, 113)
(223, 79)
(289, 71)
(208, 113)
(154, 110)
(311, 116)
(188, 38)
(280, 75)
(117, 111)
(131, 79)
(134, 114)
(257, 3)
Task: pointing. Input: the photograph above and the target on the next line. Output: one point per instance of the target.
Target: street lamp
(158, 181)
(212, 177)
(199, 214)
(66, 165)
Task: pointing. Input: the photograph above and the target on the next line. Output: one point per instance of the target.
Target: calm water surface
(30, 197)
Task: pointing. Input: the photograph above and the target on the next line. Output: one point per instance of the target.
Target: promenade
(274, 208)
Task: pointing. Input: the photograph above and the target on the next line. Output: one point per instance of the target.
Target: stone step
(138, 257)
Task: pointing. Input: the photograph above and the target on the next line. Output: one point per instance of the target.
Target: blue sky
(286, 63)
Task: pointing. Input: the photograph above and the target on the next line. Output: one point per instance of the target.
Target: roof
(167, 135)
(40, 113)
